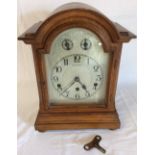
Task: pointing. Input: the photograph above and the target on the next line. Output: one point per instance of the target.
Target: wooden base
(108, 120)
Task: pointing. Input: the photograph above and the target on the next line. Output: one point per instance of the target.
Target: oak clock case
(76, 54)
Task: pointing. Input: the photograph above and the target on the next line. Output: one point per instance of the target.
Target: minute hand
(68, 86)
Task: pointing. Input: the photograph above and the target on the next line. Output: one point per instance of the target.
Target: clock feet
(41, 130)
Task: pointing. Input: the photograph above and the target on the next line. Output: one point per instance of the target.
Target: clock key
(95, 144)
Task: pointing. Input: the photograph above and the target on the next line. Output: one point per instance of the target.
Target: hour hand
(83, 86)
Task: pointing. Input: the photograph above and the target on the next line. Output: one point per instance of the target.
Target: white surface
(117, 142)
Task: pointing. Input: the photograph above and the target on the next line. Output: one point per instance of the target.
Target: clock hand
(68, 86)
(83, 86)
(76, 79)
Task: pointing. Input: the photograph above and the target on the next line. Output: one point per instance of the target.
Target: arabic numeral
(77, 96)
(66, 62)
(99, 78)
(77, 58)
(96, 68)
(55, 78)
(87, 94)
(58, 69)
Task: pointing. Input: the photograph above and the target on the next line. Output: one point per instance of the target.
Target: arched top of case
(76, 15)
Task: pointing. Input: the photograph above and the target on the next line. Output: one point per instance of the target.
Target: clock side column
(40, 81)
(114, 76)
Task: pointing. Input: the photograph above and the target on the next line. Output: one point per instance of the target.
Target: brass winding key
(95, 143)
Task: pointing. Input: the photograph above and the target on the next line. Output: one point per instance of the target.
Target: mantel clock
(76, 54)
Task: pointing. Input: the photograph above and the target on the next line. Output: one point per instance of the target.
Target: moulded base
(65, 121)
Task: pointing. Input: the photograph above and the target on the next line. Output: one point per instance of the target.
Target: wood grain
(41, 36)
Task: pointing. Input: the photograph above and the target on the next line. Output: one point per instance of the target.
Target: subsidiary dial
(67, 44)
(85, 44)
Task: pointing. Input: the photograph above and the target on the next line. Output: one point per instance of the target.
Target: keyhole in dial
(95, 85)
(77, 88)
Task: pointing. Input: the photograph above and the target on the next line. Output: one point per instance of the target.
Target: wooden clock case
(41, 35)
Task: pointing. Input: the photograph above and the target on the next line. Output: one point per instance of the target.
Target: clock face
(77, 76)
(77, 68)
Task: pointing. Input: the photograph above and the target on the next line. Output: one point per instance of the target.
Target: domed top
(76, 15)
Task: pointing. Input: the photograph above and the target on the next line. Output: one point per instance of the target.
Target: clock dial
(85, 44)
(67, 44)
(77, 68)
(77, 76)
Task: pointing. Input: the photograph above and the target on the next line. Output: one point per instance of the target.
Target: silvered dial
(77, 76)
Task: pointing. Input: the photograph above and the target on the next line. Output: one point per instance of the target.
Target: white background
(146, 75)
(67, 142)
